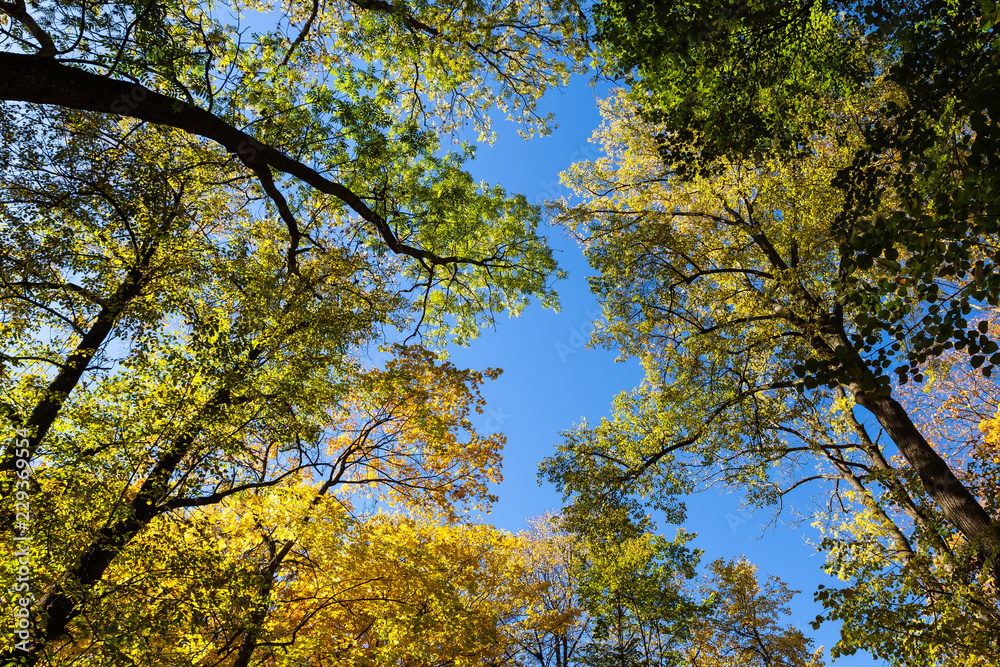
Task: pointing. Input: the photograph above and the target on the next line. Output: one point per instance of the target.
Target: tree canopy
(728, 286)
(207, 220)
(238, 237)
(741, 80)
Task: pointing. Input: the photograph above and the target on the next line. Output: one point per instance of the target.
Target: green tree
(162, 351)
(727, 83)
(945, 608)
(613, 594)
(732, 77)
(743, 625)
(728, 285)
(738, 80)
(634, 592)
(334, 107)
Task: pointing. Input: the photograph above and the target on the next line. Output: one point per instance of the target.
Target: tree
(207, 227)
(556, 628)
(348, 137)
(192, 576)
(742, 83)
(616, 603)
(611, 599)
(931, 607)
(159, 356)
(634, 592)
(727, 285)
(351, 145)
(734, 78)
(743, 625)
(738, 80)
(334, 97)
(635, 588)
(389, 589)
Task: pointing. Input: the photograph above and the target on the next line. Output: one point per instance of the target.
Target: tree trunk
(957, 503)
(56, 605)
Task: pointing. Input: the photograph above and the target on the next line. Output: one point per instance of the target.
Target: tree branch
(45, 81)
(18, 11)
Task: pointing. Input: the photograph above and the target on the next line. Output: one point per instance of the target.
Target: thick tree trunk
(954, 499)
(957, 503)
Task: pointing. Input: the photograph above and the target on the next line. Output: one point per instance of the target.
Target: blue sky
(551, 381)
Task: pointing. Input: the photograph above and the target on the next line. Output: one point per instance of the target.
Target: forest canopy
(238, 240)
(795, 214)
